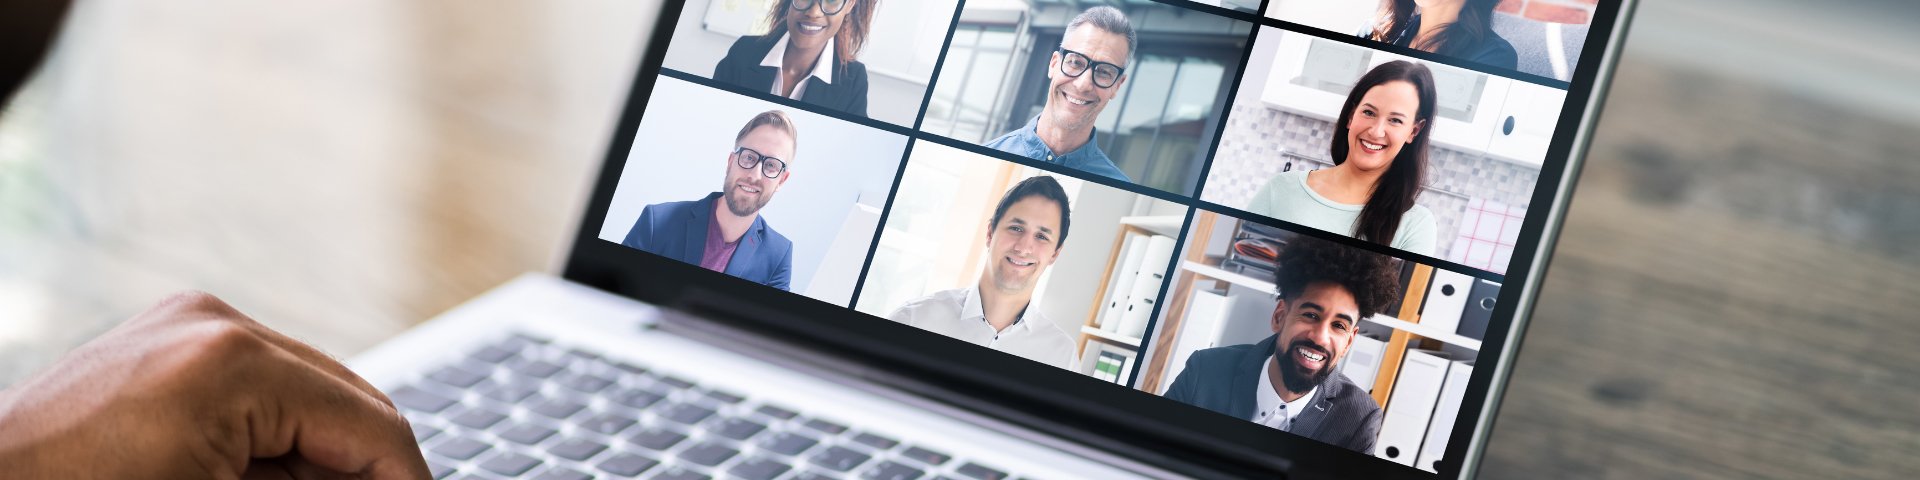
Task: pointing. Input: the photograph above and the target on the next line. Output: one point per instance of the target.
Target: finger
(200, 306)
(266, 469)
(318, 417)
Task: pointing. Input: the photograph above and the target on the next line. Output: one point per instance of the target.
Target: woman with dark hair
(1456, 28)
(808, 56)
(1379, 152)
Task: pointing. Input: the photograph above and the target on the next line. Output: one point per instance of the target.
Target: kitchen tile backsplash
(1261, 142)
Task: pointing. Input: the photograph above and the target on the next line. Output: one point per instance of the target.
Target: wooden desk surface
(1734, 296)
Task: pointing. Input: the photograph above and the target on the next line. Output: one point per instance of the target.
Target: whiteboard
(905, 41)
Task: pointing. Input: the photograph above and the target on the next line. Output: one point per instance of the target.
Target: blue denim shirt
(1026, 142)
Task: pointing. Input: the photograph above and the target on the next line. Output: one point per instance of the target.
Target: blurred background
(1733, 296)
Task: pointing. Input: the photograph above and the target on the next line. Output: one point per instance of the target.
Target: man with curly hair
(1286, 381)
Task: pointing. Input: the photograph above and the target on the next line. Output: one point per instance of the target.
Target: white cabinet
(1525, 126)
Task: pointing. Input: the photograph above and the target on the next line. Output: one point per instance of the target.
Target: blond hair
(773, 118)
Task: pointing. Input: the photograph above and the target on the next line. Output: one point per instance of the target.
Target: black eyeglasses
(748, 159)
(1074, 64)
(829, 7)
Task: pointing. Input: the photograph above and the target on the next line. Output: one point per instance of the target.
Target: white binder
(1415, 391)
(1441, 427)
(1362, 364)
(1446, 300)
(1198, 330)
(1132, 251)
(1146, 286)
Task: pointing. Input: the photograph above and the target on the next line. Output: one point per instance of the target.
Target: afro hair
(1371, 277)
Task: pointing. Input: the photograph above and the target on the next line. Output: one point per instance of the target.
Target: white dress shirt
(957, 313)
(1272, 412)
(822, 67)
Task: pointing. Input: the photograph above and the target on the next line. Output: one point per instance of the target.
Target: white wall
(680, 153)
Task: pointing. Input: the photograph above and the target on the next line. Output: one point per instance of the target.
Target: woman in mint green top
(1379, 152)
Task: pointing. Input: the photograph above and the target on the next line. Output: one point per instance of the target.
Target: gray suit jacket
(1223, 379)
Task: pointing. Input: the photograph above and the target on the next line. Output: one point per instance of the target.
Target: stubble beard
(742, 207)
(1300, 382)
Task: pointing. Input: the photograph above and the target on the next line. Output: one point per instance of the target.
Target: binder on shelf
(1438, 431)
(1480, 303)
(1446, 300)
(1111, 364)
(1199, 330)
(1146, 286)
(1410, 407)
(1132, 251)
(1362, 364)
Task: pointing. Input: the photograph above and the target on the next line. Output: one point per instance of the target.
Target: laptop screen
(1285, 226)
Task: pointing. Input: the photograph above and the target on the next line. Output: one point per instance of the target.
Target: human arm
(194, 389)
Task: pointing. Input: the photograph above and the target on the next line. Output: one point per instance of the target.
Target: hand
(194, 389)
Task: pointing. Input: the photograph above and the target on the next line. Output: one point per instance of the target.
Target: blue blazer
(847, 93)
(1223, 379)
(678, 230)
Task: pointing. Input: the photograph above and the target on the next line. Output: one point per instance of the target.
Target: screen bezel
(1111, 417)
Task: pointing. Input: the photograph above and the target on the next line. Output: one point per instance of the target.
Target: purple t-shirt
(718, 252)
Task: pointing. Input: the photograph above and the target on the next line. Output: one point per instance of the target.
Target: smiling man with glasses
(1086, 71)
(724, 232)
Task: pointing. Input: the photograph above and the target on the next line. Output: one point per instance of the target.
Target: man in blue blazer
(1287, 380)
(724, 231)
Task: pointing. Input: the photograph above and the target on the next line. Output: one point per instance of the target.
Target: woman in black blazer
(808, 56)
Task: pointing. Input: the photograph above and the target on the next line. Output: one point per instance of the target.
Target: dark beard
(1297, 381)
(742, 208)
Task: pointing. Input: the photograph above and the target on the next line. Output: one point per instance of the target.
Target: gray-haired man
(1087, 71)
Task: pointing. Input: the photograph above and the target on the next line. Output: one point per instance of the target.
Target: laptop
(971, 239)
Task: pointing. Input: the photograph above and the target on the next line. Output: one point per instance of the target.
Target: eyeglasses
(829, 7)
(1075, 64)
(748, 159)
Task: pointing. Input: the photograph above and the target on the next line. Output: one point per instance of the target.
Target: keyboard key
(737, 428)
(839, 459)
(510, 393)
(975, 470)
(576, 449)
(812, 476)
(477, 418)
(562, 473)
(538, 369)
(776, 412)
(787, 443)
(558, 408)
(677, 473)
(418, 399)
(636, 398)
(627, 464)
(889, 470)
(630, 368)
(527, 434)
(676, 382)
(510, 464)
(586, 383)
(583, 354)
(456, 376)
(875, 441)
(491, 354)
(422, 432)
(686, 413)
(925, 456)
(759, 468)
(460, 448)
(607, 423)
(657, 438)
(708, 454)
(724, 396)
(439, 471)
(825, 426)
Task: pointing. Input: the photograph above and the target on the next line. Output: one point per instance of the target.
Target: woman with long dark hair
(1379, 153)
(1457, 28)
(808, 56)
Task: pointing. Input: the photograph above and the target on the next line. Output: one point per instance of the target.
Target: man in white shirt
(1027, 229)
(1287, 380)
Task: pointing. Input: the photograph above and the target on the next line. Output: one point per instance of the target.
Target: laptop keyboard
(524, 407)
